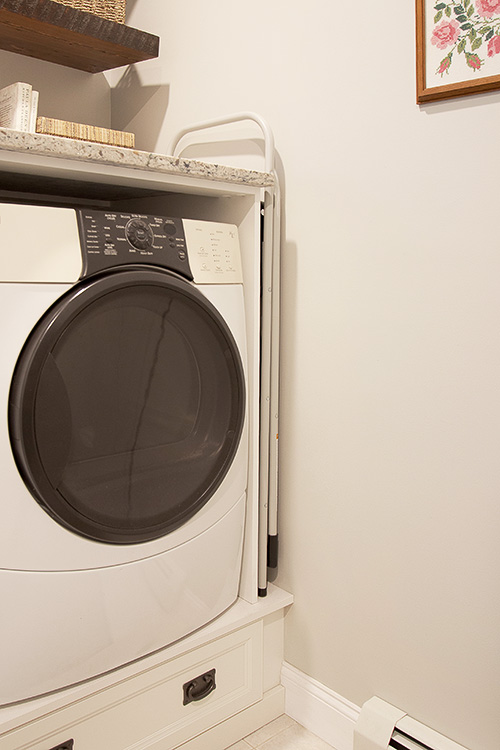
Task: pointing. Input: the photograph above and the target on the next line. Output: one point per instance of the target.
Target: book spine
(15, 106)
(33, 111)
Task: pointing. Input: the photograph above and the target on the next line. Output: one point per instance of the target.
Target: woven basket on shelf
(113, 10)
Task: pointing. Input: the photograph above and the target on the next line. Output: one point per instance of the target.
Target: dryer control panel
(113, 238)
(214, 252)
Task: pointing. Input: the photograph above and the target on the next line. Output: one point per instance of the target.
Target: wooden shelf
(59, 34)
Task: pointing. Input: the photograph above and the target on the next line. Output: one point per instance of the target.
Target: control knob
(139, 234)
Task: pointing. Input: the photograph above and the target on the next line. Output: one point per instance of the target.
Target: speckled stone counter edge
(49, 145)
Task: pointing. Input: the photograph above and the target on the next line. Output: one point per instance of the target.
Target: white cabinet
(142, 706)
(147, 710)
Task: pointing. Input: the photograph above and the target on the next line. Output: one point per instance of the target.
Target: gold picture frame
(463, 34)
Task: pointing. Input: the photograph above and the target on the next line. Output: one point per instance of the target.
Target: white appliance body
(74, 604)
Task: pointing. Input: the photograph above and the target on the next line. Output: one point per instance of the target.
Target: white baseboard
(323, 712)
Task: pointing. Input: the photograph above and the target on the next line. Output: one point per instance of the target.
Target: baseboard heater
(381, 726)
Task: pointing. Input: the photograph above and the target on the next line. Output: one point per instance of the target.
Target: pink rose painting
(494, 46)
(458, 48)
(487, 8)
(446, 33)
(469, 30)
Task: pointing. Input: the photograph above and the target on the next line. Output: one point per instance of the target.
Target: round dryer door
(127, 405)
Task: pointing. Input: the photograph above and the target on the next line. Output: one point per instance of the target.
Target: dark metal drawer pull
(199, 688)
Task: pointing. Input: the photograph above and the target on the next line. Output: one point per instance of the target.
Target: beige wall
(390, 434)
(65, 94)
(390, 431)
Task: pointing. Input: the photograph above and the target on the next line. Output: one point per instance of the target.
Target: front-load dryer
(124, 442)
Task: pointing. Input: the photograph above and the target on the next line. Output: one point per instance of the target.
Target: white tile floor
(281, 734)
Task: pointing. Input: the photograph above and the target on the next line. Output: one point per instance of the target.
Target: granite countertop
(49, 145)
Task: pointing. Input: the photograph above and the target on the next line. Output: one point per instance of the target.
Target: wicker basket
(113, 10)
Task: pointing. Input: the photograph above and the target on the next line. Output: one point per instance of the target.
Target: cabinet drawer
(148, 711)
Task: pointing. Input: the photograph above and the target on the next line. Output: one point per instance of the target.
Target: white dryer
(124, 445)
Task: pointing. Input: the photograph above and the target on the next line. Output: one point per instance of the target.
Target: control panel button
(139, 234)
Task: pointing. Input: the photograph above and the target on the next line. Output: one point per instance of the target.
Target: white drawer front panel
(146, 712)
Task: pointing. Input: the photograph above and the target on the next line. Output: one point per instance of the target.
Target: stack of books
(19, 110)
(18, 107)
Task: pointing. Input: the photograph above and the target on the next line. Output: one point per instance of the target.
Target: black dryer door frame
(127, 405)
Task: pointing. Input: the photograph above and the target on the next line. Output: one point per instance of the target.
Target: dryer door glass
(127, 406)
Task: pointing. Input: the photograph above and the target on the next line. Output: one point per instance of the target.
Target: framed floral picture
(458, 48)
